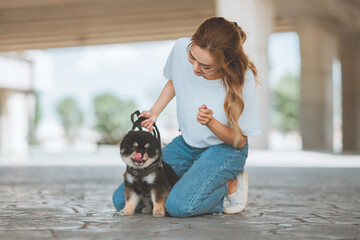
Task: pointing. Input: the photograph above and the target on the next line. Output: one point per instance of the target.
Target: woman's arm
(223, 132)
(165, 97)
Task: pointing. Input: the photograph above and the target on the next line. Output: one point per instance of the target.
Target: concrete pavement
(75, 203)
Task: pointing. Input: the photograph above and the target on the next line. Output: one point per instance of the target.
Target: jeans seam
(212, 177)
(193, 157)
(179, 166)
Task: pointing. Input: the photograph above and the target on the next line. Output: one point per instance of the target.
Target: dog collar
(142, 172)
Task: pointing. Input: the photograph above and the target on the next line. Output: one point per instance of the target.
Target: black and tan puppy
(147, 178)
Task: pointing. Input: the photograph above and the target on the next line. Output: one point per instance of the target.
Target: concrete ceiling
(33, 24)
(344, 15)
(41, 24)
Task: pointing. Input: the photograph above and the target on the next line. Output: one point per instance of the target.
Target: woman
(215, 86)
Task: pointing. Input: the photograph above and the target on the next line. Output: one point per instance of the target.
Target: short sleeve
(168, 66)
(249, 120)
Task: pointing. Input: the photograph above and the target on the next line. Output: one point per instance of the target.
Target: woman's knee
(119, 197)
(180, 203)
(176, 207)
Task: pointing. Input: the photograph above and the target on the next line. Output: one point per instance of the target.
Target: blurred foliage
(37, 115)
(35, 121)
(286, 102)
(71, 117)
(112, 117)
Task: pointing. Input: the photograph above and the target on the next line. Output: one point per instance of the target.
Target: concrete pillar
(350, 68)
(14, 126)
(256, 17)
(319, 47)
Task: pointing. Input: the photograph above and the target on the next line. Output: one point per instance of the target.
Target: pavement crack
(53, 233)
(321, 217)
(75, 210)
(301, 220)
(334, 206)
(273, 231)
(85, 226)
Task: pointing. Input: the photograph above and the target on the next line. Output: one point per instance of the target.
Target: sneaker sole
(244, 181)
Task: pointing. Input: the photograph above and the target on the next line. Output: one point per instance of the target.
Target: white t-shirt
(193, 91)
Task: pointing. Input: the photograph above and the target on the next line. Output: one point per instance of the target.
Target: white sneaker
(236, 202)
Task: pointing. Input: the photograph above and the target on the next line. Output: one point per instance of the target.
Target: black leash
(137, 124)
(156, 133)
(144, 172)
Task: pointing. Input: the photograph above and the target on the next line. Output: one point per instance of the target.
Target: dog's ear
(126, 139)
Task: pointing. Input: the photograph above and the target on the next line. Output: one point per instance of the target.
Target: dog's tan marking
(159, 204)
(135, 144)
(149, 160)
(147, 145)
(132, 199)
(128, 160)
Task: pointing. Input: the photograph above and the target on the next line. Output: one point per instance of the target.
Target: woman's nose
(196, 67)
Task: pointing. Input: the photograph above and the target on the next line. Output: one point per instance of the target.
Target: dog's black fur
(149, 180)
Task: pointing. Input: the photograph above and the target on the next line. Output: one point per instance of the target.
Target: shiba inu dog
(148, 180)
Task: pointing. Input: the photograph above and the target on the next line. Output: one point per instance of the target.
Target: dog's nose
(137, 156)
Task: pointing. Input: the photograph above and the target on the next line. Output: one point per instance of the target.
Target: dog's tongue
(137, 156)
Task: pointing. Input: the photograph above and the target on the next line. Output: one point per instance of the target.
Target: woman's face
(203, 62)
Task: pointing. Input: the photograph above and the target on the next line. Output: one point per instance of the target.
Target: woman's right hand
(148, 123)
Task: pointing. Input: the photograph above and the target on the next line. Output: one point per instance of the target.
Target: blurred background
(72, 72)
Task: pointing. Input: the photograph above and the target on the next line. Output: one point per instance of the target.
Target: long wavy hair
(224, 40)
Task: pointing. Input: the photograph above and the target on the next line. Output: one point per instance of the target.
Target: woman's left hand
(204, 115)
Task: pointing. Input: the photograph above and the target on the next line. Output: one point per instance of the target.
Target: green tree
(34, 122)
(71, 116)
(286, 102)
(112, 117)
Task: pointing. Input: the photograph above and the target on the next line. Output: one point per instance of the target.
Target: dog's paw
(146, 210)
(125, 212)
(159, 213)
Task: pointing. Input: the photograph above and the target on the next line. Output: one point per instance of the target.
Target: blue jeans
(204, 173)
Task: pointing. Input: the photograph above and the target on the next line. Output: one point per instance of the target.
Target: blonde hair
(224, 40)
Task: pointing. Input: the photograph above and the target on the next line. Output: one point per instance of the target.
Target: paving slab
(75, 203)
